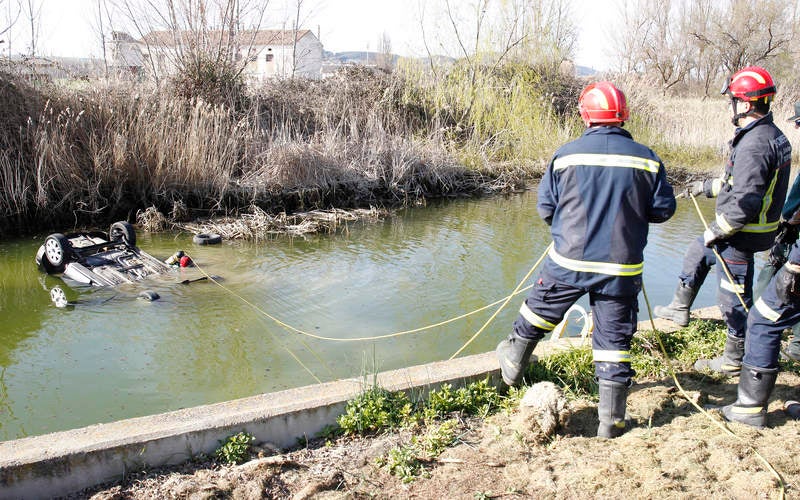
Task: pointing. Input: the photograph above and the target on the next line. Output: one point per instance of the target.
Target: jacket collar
(607, 130)
(740, 131)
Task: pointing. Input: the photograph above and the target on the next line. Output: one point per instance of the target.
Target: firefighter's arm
(548, 195)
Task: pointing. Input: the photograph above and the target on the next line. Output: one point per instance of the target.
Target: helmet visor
(726, 87)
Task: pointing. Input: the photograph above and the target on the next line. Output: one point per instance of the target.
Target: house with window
(263, 54)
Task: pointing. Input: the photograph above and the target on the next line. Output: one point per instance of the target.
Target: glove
(787, 234)
(778, 255)
(695, 188)
(787, 284)
(709, 238)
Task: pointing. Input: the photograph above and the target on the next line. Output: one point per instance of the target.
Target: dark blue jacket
(752, 191)
(599, 193)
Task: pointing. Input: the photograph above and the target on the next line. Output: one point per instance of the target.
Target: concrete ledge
(65, 462)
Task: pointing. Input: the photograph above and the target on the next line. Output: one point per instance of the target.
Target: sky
(67, 27)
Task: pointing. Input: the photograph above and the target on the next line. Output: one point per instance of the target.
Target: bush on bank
(89, 154)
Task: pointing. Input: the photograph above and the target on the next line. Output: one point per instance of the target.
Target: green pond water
(112, 356)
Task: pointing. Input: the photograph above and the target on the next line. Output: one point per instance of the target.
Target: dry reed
(90, 155)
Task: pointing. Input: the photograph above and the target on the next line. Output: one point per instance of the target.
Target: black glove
(787, 285)
(786, 237)
(778, 255)
(787, 234)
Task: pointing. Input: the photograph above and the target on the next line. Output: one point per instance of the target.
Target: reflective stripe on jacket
(599, 193)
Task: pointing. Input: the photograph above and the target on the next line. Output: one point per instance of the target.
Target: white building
(264, 53)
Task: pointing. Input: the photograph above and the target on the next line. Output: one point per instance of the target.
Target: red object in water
(186, 261)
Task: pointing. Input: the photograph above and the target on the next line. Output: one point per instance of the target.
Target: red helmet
(750, 84)
(602, 102)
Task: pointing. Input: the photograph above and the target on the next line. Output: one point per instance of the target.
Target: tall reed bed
(83, 157)
(72, 157)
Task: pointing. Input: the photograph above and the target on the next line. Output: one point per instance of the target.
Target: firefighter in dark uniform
(598, 194)
(750, 197)
(777, 309)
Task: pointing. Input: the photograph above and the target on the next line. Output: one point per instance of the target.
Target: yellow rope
(358, 339)
(516, 291)
(292, 354)
(715, 421)
(719, 257)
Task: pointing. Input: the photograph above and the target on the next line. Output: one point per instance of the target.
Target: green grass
(701, 339)
(571, 369)
(377, 410)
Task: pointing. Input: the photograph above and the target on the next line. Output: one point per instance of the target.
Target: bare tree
(101, 24)
(750, 32)
(538, 31)
(385, 58)
(10, 20)
(664, 46)
(694, 41)
(32, 9)
(196, 38)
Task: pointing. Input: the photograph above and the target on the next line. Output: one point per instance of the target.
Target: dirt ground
(672, 450)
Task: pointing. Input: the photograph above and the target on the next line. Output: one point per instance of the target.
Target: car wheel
(57, 251)
(42, 262)
(58, 297)
(124, 231)
(149, 295)
(207, 239)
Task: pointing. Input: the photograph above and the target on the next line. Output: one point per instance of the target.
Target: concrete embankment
(65, 462)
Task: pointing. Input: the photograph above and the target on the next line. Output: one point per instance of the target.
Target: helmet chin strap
(739, 116)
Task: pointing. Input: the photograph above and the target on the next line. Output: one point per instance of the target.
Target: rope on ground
(702, 410)
(719, 257)
(516, 291)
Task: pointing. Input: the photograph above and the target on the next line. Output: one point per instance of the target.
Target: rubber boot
(514, 354)
(678, 310)
(729, 363)
(755, 387)
(611, 409)
(792, 409)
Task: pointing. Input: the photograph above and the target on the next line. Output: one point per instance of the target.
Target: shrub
(375, 410)
(235, 449)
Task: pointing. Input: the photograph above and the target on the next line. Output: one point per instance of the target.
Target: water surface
(112, 356)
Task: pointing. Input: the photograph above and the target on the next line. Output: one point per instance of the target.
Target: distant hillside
(369, 58)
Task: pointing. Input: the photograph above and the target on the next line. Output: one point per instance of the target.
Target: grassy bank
(478, 442)
(90, 153)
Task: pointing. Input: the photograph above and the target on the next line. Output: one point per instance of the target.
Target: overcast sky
(67, 26)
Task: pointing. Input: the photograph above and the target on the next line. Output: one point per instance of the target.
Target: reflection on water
(113, 356)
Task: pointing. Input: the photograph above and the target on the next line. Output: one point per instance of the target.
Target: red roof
(247, 37)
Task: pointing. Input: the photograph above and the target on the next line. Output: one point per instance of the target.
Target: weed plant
(235, 449)
(376, 410)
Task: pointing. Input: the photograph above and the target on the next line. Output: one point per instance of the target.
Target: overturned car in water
(98, 259)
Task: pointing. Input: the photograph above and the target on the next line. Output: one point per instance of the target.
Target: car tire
(58, 297)
(207, 239)
(149, 295)
(43, 263)
(57, 251)
(124, 231)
